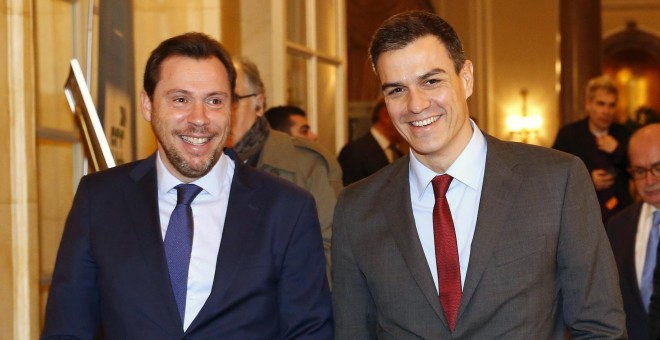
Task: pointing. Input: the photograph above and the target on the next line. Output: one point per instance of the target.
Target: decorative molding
(481, 22)
(631, 25)
(629, 5)
(632, 38)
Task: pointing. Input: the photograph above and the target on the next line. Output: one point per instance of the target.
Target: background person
(291, 120)
(303, 162)
(635, 230)
(373, 151)
(601, 144)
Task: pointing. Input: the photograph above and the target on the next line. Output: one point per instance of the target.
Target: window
(315, 65)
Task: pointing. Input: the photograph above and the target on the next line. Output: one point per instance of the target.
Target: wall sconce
(523, 124)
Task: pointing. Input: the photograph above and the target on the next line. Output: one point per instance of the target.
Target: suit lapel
(629, 241)
(494, 209)
(243, 218)
(402, 226)
(142, 203)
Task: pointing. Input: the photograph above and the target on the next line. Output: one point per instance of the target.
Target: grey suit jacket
(540, 259)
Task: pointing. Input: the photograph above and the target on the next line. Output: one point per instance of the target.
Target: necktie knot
(441, 185)
(186, 193)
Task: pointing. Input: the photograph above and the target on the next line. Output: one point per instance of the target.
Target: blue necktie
(178, 243)
(649, 262)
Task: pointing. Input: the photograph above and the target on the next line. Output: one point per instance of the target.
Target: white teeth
(195, 140)
(425, 122)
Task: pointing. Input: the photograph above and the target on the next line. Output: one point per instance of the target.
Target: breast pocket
(518, 267)
(519, 250)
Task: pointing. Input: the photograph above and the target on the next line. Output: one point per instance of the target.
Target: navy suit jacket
(361, 158)
(622, 230)
(111, 275)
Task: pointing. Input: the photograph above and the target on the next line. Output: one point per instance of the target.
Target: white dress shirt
(209, 212)
(642, 238)
(463, 196)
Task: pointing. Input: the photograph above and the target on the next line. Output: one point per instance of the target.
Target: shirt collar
(380, 138)
(464, 169)
(210, 183)
(647, 211)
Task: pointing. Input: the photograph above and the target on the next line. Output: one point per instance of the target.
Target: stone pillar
(19, 253)
(581, 54)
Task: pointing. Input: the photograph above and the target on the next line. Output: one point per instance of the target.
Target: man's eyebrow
(177, 91)
(432, 73)
(424, 76)
(186, 92)
(388, 85)
(217, 93)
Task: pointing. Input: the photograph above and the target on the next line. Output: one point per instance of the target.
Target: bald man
(631, 232)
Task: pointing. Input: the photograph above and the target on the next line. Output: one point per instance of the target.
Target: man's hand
(606, 143)
(602, 179)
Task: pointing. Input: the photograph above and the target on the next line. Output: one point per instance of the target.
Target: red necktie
(446, 251)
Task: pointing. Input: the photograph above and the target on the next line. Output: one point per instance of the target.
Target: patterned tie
(178, 243)
(446, 251)
(649, 262)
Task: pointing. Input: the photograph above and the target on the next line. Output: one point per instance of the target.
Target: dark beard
(184, 168)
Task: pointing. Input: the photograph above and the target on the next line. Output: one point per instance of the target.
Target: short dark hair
(402, 29)
(278, 116)
(193, 45)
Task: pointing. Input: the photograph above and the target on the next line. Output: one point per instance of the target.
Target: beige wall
(525, 52)
(513, 45)
(155, 21)
(57, 135)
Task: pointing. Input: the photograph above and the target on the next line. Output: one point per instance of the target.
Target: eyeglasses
(246, 96)
(640, 173)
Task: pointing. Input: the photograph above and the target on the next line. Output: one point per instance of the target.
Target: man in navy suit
(256, 266)
(632, 237)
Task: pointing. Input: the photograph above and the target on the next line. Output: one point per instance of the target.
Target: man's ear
(467, 77)
(260, 104)
(146, 105)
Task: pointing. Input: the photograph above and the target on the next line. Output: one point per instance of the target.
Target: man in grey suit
(519, 253)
